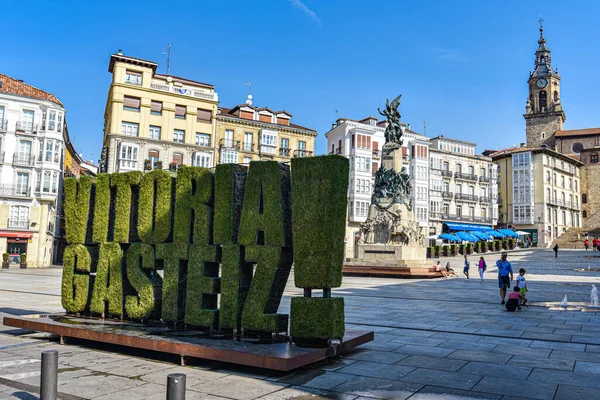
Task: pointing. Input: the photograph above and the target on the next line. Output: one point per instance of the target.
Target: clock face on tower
(542, 82)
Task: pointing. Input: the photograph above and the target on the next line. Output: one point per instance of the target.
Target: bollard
(176, 387)
(49, 377)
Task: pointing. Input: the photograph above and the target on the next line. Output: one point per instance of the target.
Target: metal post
(49, 377)
(176, 387)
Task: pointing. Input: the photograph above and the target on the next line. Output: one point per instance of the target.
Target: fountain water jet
(594, 296)
(563, 303)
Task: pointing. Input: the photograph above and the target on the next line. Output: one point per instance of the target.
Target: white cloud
(307, 11)
(446, 54)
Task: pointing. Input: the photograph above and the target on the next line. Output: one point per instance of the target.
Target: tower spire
(543, 61)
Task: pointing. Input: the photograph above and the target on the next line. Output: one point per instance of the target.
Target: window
(301, 145)
(19, 217)
(445, 166)
(180, 111)
(202, 160)
(458, 168)
(543, 100)
(471, 170)
(22, 183)
(131, 103)
(202, 139)
(584, 198)
(248, 141)
(554, 179)
(549, 215)
(564, 217)
(156, 107)
(577, 147)
(285, 143)
(49, 148)
(178, 136)
(204, 116)
(129, 129)
(133, 77)
(153, 157)
(521, 159)
(229, 156)
(55, 182)
(128, 157)
(459, 189)
(482, 172)
(562, 181)
(51, 120)
(584, 214)
(38, 181)
(471, 212)
(458, 211)
(154, 132)
(177, 159)
(594, 158)
(363, 163)
(27, 123)
(1, 116)
(268, 142)
(46, 182)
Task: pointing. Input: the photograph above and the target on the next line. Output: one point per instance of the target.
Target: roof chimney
(408, 127)
(522, 145)
(120, 52)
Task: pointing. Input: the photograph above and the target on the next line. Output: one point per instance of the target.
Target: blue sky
(460, 65)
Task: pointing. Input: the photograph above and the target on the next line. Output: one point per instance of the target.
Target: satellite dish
(249, 97)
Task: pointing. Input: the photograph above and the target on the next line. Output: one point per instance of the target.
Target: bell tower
(543, 113)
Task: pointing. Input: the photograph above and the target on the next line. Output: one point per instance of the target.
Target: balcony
(127, 165)
(26, 127)
(465, 177)
(301, 153)
(284, 152)
(2, 157)
(182, 91)
(3, 125)
(14, 223)
(467, 197)
(485, 199)
(15, 191)
(23, 160)
(447, 195)
(485, 179)
(446, 173)
(249, 147)
(468, 218)
(229, 144)
(376, 153)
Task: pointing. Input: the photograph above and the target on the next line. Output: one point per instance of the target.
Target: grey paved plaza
(435, 339)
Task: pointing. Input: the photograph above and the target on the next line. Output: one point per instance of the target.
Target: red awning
(13, 234)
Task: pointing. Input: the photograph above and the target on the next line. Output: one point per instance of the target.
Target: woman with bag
(482, 267)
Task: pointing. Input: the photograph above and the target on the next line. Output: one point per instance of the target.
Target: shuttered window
(177, 158)
(131, 103)
(180, 111)
(156, 107)
(204, 115)
(153, 154)
(375, 146)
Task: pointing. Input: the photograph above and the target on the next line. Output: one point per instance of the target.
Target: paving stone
(503, 371)
(376, 370)
(568, 392)
(379, 388)
(585, 339)
(437, 363)
(424, 350)
(438, 393)
(131, 367)
(376, 356)
(194, 376)
(546, 336)
(304, 393)
(522, 351)
(455, 380)
(557, 345)
(576, 355)
(505, 341)
(464, 345)
(510, 387)
(316, 379)
(417, 340)
(238, 387)
(500, 332)
(540, 362)
(469, 355)
(565, 378)
(587, 367)
(147, 391)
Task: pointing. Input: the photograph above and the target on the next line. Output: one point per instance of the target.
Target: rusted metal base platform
(276, 356)
(381, 270)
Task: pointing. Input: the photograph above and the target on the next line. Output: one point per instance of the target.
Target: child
(513, 300)
(466, 268)
(521, 284)
(482, 267)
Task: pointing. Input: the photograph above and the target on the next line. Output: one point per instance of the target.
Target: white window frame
(202, 159)
(130, 128)
(178, 135)
(203, 139)
(128, 157)
(154, 132)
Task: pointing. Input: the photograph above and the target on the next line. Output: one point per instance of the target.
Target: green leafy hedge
(273, 265)
(171, 254)
(123, 182)
(234, 287)
(229, 196)
(198, 204)
(75, 278)
(140, 258)
(266, 212)
(101, 209)
(108, 285)
(77, 207)
(23, 258)
(154, 207)
(203, 286)
(317, 318)
(319, 192)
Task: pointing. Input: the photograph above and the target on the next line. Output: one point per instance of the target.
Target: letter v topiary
(75, 278)
(154, 207)
(77, 207)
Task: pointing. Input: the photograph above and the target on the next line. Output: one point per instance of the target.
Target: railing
(18, 223)
(23, 159)
(229, 144)
(26, 127)
(284, 152)
(338, 150)
(447, 173)
(485, 199)
(14, 190)
(2, 157)
(300, 153)
(447, 195)
(467, 177)
(484, 179)
(457, 217)
(462, 196)
(248, 147)
(181, 90)
(376, 153)
(3, 125)
(133, 81)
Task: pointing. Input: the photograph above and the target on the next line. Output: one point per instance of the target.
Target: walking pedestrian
(586, 244)
(466, 267)
(482, 267)
(555, 248)
(595, 244)
(504, 270)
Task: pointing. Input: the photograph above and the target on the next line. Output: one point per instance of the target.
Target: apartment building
(32, 124)
(247, 133)
(156, 121)
(462, 186)
(539, 191)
